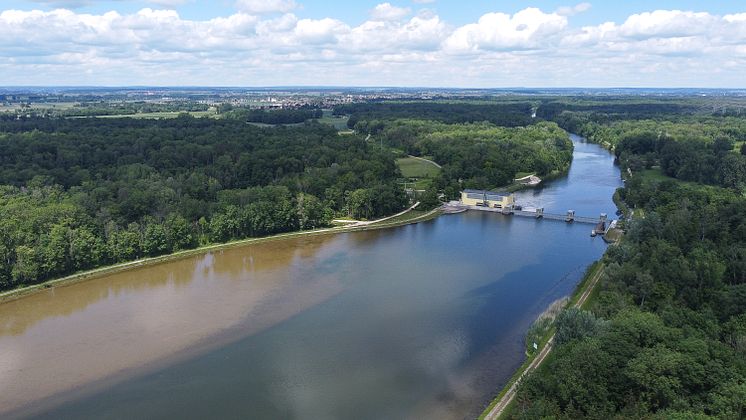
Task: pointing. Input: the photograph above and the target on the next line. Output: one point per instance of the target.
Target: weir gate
(539, 213)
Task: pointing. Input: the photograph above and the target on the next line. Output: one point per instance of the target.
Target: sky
(408, 43)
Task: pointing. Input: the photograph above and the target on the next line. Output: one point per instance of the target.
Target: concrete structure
(490, 199)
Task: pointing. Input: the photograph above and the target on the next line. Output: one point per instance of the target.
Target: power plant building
(491, 199)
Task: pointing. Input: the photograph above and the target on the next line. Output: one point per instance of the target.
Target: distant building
(487, 199)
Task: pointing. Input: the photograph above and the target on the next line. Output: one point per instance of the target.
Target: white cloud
(574, 10)
(419, 33)
(527, 29)
(668, 23)
(530, 47)
(385, 11)
(258, 7)
(323, 31)
(423, 1)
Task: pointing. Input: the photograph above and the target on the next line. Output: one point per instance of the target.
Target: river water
(420, 321)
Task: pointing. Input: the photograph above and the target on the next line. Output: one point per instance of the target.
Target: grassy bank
(412, 216)
(583, 292)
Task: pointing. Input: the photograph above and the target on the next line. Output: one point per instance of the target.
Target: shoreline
(96, 273)
(504, 400)
(224, 328)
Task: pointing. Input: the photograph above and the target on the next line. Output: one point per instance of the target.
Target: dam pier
(504, 203)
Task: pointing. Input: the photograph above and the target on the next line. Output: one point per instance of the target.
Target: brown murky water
(67, 336)
(421, 321)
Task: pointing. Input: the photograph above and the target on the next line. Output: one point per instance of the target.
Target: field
(411, 167)
(156, 115)
(340, 123)
(417, 173)
(36, 106)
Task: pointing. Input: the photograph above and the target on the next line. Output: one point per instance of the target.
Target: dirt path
(506, 399)
(366, 223)
(426, 160)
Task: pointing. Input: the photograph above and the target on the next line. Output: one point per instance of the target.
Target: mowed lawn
(417, 168)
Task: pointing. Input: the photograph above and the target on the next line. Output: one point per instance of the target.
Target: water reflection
(422, 321)
(71, 335)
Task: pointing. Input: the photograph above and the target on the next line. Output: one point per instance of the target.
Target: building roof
(488, 193)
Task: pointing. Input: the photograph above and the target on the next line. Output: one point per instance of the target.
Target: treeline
(698, 149)
(276, 116)
(89, 109)
(506, 114)
(480, 155)
(666, 335)
(610, 109)
(80, 194)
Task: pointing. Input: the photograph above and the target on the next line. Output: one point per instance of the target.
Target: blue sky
(355, 12)
(395, 43)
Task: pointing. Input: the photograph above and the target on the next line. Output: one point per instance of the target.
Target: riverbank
(234, 327)
(584, 291)
(406, 217)
(502, 403)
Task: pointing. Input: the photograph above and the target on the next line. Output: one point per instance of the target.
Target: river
(419, 321)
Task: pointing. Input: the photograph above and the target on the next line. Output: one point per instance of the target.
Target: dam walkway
(569, 217)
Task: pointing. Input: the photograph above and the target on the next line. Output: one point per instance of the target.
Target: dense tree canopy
(695, 147)
(80, 193)
(276, 116)
(479, 155)
(666, 335)
(507, 114)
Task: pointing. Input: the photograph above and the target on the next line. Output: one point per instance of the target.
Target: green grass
(265, 125)
(515, 378)
(155, 115)
(417, 168)
(590, 273)
(548, 333)
(655, 174)
(40, 105)
(340, 123)
(410, 215)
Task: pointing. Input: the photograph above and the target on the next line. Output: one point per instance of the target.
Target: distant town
(49, 101)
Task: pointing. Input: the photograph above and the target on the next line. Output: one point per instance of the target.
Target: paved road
(501, 405)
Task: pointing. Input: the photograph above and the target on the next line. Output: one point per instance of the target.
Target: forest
(479, 145)
(665, 336)
(479, 155)
(81, 193)
(697, 148)
(276, 116)
(506, 114)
